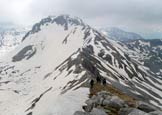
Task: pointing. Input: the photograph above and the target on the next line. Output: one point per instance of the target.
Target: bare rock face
(25, 53)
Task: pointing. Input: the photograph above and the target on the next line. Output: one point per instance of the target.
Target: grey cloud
(132, 14)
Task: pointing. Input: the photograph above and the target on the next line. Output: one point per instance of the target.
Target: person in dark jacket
(104, 81)
(91, 83)
(98, 79)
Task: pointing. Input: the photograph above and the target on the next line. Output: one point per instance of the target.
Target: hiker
(98, 79)
(91, 83)
(104, 81)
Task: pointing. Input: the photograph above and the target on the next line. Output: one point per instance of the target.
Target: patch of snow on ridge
(144, 43)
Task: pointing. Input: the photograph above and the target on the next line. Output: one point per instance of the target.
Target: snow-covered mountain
(148, 52)
(10, 38)
(49, 72)
(119, 34)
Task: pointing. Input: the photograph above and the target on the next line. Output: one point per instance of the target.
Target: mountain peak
(63, 20)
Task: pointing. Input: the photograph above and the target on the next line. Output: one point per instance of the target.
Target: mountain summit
(62, 20)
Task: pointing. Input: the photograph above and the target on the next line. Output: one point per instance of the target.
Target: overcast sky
(133, 15)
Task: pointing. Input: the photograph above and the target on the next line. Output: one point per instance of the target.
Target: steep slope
(120, 35)
(48, 73)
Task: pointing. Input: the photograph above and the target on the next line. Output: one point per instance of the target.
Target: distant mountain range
(146, 51)
(10, 37)
(119, 34)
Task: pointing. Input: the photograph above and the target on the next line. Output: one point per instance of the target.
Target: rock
(87, 108)
(106, 102)
(96, 111)
(131, 111)
(104, 94)
(115, 102)
(146, 107)
(90, 102)
(80, 113)
(108, 98)
(98, 99)
(95, 100)
(137, 112)
(125, 111)
(156, 113)
(101, 101)
(93, 97)
(118, 101)
(131, 104)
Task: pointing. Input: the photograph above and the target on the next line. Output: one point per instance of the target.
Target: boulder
(98, 99)
(87, 108)
(131, 104)
(137, 112)
(104, 94)
(131, 111)
(146, 107)
(97, 111)
(125, 111)
(115, 102)
(106, 102)
(95, 100)
(90, 102)
(156, 113)
(118, 101)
